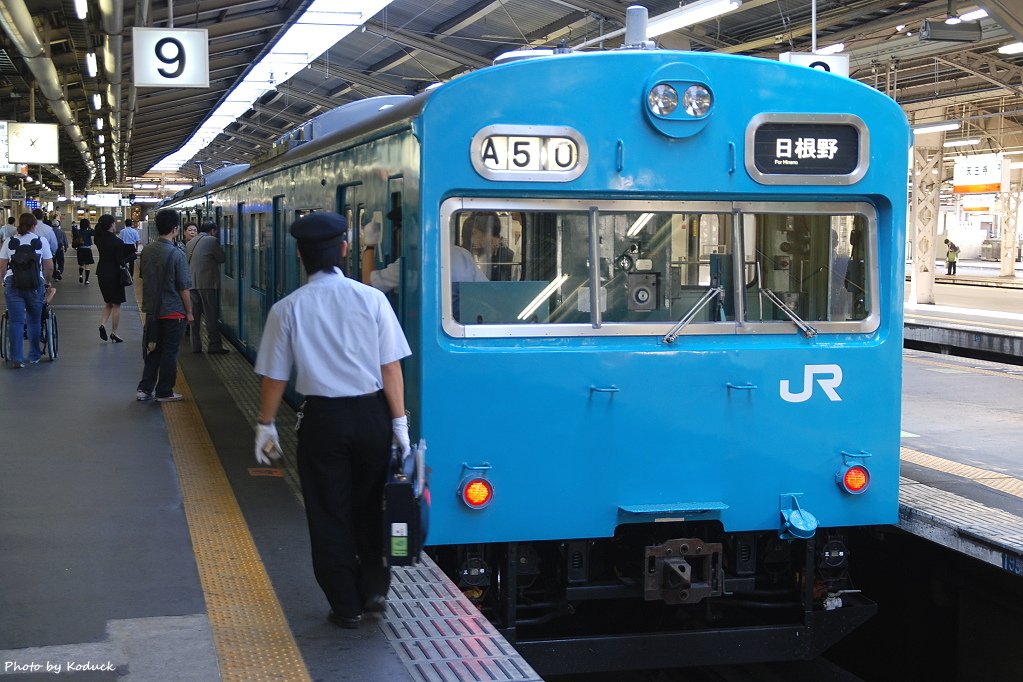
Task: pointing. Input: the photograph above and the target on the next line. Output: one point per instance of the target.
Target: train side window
(817, 264)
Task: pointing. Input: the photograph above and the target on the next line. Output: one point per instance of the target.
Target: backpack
(24, 263)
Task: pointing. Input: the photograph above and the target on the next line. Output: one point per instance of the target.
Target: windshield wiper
(808, 331)
(697, 307)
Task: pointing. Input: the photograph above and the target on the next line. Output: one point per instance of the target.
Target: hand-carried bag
(126, 278)
(406, 507)
(76, 241)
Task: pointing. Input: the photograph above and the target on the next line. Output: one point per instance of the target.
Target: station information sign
(807, 148)
(979, 173)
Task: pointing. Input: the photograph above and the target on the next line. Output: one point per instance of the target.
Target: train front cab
(663, 385)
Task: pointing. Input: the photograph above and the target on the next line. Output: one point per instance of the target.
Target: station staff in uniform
(345, 343)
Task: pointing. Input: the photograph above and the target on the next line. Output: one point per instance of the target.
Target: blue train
(655, 305)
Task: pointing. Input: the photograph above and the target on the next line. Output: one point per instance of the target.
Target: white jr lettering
(833, 374)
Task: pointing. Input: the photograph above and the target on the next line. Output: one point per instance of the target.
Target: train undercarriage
(664, 595)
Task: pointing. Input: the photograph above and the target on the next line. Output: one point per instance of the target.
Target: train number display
(534, 153)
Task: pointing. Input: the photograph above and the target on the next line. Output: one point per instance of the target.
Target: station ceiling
(413, 43)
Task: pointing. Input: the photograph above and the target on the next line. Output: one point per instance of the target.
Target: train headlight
(476, 492)
(662, 99)
(854, 476)
(697, 100)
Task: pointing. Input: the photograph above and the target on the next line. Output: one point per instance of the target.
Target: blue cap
(319, 227)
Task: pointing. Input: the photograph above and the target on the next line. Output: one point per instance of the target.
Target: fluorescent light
(831, 49)
(690, 14)
(1016, 165)
(90, 64)
(936, 127)
(99, 124)
(953, 19)
(97, 101)
(323, 24)
(1011, 48)
(82, 8)
(963, 143)
(1010, 153)
(101, 138)
(639, 224)
(899, 28)
(974, 15)
(542, 296)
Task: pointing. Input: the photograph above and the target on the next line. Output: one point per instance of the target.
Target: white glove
(399, 427)
(371, 234)
(268, 445)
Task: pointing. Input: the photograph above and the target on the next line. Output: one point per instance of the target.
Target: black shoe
(103, 332)
(218, 351)
(351, 622)
(116, 339)
(375, 604)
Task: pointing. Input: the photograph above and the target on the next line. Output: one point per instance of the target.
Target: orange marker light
(477, 493)
(856, 479)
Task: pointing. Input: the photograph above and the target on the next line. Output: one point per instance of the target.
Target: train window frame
(738, 325)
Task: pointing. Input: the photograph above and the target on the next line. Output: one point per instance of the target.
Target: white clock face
(33, 143)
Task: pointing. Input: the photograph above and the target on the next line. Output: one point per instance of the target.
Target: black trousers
(343, 450)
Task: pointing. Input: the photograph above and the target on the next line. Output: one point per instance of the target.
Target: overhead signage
(17, 195)
(529, 153)
(833, 63)
(978, 173)
(103, 200)
(171, 57)
(830, 149)
(978, 203)
(5, 165)
(32, 142)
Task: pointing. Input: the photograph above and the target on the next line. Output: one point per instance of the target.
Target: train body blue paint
(683, 358)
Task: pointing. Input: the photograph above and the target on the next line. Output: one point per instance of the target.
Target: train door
(351, 203)
(229, 275)
(255, 284)
(393, 248)
(281, 263)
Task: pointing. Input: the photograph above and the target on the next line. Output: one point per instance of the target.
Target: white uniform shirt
(463, 269)
(336, 332)
(44, 251)
(46, 233)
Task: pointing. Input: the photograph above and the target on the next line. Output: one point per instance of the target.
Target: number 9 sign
(169, 57)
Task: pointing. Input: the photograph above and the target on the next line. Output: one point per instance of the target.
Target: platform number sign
(528, 153)
(169, 57)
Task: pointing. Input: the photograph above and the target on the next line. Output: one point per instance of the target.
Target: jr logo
(832, 377)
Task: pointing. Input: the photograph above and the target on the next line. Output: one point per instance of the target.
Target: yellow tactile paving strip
(250, 632)
(1001, 482)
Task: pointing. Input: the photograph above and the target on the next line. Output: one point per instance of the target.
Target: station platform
(141, 542)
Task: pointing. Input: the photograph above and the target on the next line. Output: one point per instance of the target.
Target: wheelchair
(47, 334)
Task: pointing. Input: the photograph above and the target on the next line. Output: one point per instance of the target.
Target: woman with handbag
(84, 250)
(113, 254)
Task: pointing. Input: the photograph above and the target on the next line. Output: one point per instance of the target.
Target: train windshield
(534, 268)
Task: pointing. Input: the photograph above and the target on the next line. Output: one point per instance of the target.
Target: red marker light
(855, 479)
(477, 493)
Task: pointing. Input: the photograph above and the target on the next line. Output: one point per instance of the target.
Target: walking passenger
(112, 252)
(205, 255)
(130, 236)
(9, 230)
(27, 264)
(84, 250)
(168, 309)
(345, 343)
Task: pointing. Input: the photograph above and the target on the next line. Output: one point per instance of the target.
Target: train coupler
(683, 571)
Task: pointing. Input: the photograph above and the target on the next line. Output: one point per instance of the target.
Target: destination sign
(806, 149)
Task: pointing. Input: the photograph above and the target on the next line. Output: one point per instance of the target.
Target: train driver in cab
(463, 265)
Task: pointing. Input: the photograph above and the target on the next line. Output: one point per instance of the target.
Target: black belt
(313, 399)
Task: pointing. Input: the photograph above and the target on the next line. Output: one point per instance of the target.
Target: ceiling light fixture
(831, 49)
(82, 8)
(680, 17)
(1011, 48)
(97, 101)
(974, 15)
(936, 127)
(967, 142)
(90, 64)
(322, 25)
(99, 124)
